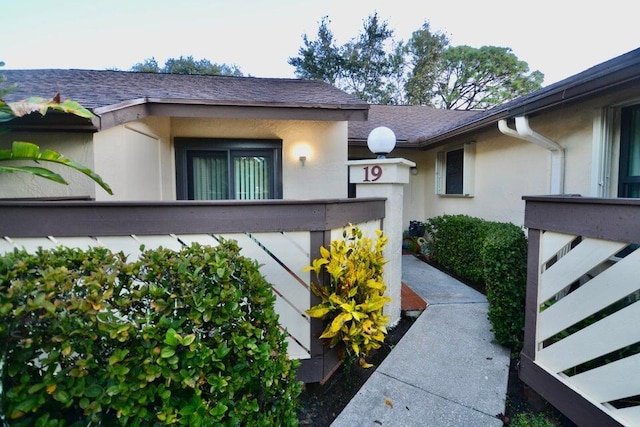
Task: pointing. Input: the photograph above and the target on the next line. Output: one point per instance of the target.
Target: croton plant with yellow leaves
(353, 298)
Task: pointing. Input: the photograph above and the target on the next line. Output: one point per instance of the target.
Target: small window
(216, 169)
(454, 171)
(629, 168)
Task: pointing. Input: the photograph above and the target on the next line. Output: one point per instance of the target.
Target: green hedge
(489, 253)
(455, 244)
(504, 256)
(184, 338)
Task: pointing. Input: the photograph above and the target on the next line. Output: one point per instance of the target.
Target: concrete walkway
(446, 370)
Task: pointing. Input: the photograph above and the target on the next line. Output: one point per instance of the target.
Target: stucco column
(386, 178)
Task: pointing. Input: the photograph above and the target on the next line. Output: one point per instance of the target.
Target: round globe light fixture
(381, 141)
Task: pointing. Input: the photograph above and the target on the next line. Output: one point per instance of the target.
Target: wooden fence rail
(283, 236)
(582, 333)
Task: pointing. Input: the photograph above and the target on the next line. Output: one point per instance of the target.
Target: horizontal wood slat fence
(582, 331)
(283, 236)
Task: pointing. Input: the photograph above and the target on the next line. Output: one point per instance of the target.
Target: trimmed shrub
(184, 338)
(492, 254)
(455, 244)
(504, 257)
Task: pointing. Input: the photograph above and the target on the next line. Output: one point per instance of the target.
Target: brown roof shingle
(408, 122)
(95, 89)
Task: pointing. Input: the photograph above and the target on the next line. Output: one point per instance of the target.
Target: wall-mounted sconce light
(414, 170)
(302, 152)
(381, 141)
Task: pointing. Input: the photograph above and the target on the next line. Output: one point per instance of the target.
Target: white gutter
(523, 131)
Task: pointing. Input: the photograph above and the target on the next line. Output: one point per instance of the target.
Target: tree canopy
(480, 78)
(187, 65)
(425, 70)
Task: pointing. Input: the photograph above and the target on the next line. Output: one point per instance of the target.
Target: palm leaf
(35, 170)
(5, 112)
(21, 150)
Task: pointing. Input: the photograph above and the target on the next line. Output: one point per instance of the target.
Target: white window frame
(468, 170)
(605, 152)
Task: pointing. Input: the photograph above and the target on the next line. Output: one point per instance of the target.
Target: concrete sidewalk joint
(447, 370)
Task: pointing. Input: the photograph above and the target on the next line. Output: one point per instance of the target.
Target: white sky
(557, 37)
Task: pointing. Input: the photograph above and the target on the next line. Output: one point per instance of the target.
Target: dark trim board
(86, 218)
(611, 219)
(565, 399)
(63, 219)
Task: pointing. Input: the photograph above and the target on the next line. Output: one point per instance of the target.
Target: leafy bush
(490, 253)
(455, 244)
(531, 420)
(504, 257)
(353, 299)
(185, 338)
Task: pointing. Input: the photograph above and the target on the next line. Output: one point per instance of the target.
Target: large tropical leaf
(41, 105)
(35, 170)
(21, 150)
(5, 112)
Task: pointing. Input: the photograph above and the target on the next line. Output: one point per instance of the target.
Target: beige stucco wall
(76, 146)
(506, 169)
(136, 160)
(325, 172)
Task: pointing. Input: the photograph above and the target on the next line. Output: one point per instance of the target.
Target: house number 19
(376, 173)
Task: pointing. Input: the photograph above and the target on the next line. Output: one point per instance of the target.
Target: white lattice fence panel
(588, 333)
(282, 257)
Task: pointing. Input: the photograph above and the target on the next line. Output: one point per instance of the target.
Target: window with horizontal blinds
(215, 169)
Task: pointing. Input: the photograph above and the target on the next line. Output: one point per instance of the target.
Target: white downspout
(524, 131)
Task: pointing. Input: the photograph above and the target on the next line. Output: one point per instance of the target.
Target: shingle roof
(95, 89)
(118, 96)
(408, 122)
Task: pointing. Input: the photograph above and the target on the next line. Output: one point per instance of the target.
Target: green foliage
(479, 78)
(21, 150)
(425, 70)
(319, 59)
(181, 338)
(504, 257)
(489, 253)
(365, 66)
(28, 151)
(4, 88)
(424, 50)
(368, 64)
(455, 244)
(352, 301)
(528, 419)
(187, 65)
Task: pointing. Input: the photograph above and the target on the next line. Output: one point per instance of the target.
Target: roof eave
(568, 91)
(136, 109)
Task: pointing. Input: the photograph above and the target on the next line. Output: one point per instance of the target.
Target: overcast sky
(557, 37)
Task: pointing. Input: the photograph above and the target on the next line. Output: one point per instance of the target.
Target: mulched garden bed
(322, 403)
